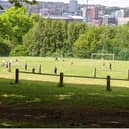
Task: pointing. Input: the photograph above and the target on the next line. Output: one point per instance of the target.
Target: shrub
(19, 50)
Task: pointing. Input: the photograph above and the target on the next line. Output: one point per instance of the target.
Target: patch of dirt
(82, 117)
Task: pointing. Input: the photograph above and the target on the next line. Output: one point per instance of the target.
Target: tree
(19, 50)
(47, 36)
(50, 37)
(5, 27)
(20, 3)
(74, 30)
(4, 47)
(15, 22)
(86, 43)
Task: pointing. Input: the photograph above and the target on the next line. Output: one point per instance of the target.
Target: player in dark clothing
(55, 70)
(110, 66)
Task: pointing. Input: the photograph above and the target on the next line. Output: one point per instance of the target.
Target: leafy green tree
(15, 22)
(19, 50)
(4, 47)
(36, 17)
(74, 30)
(86, 43)
(5, 27)
(47, 36)
(20, 3)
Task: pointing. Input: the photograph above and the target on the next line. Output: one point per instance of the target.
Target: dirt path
(74, 117)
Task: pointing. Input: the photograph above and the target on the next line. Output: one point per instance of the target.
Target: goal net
(105, 56)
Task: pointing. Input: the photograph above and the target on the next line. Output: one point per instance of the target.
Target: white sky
(121, 3)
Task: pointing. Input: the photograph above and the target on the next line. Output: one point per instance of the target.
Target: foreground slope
(44, 104)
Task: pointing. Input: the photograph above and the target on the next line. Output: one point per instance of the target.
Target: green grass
(35, 95)
(81, 67)
(21, 124)
(37, 92)
(18, 124)
(33, 92)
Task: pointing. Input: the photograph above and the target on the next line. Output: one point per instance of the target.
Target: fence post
(25, 67)
(128, 74)
(95, 72)
(40, 68)
(33, 70)
(108, 83)
(9, 67)
(61, 80)
(17, 76)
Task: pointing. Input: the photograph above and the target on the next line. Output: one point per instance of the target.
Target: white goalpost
(102, 55)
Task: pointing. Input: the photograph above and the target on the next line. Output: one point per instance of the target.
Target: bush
(19, 50)
(4, 48)
(123, 54)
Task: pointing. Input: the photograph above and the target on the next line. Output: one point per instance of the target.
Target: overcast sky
(121, 3)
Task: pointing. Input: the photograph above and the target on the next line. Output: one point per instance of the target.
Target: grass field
(37, 101)
(43, 104)
(80, 67)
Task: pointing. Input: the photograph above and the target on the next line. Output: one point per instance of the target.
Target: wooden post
(9, 67)
(6, 65)
(108, 83)
(128, 74)
(95, 72)
(17, 76)
(40, 68)
(33, 70)
(25, 67)
(61, 80)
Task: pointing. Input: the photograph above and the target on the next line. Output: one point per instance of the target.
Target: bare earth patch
(84, 117)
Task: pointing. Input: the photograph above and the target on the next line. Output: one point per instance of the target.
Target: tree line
(22, 34)
(53, 38)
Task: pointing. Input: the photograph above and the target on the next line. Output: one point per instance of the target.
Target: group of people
(8, 64)
(104, 63)
(56, 59)
(5, 63)
(40, 69)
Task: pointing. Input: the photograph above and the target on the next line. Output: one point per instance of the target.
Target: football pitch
(82, 102)
(69, 66)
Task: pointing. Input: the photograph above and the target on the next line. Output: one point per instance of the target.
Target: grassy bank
(34, 99)
(29, 92)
